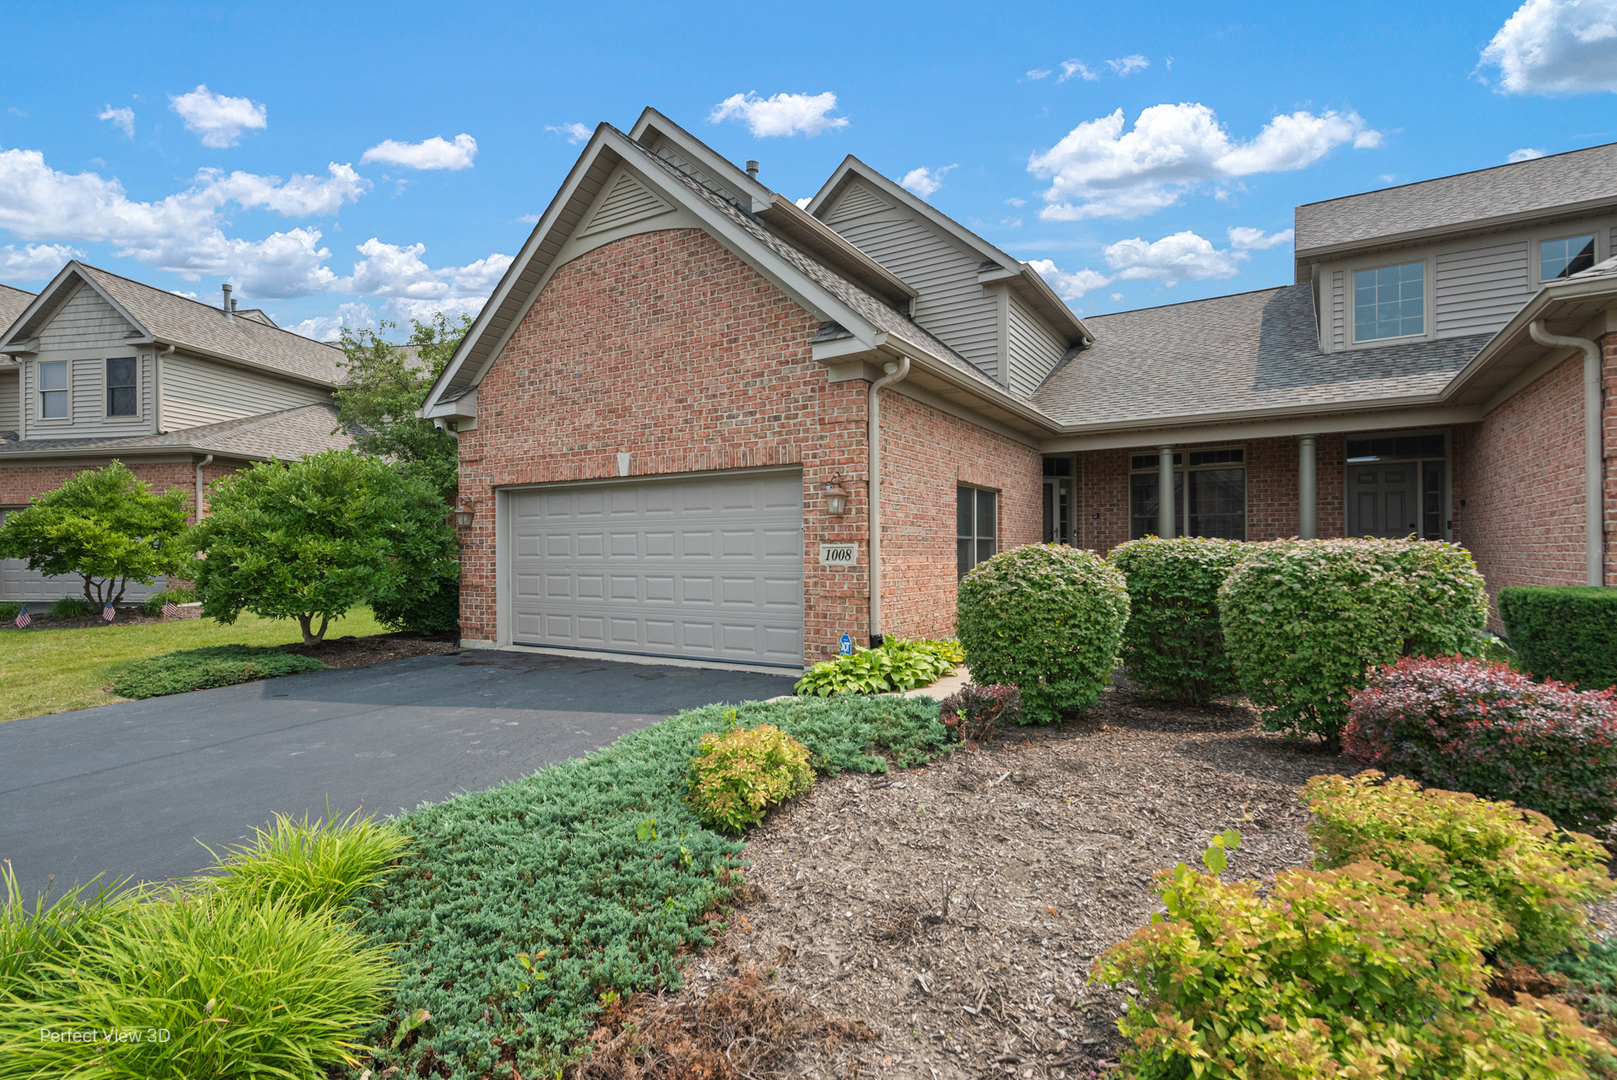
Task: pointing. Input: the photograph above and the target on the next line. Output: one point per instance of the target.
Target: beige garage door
(706, 568)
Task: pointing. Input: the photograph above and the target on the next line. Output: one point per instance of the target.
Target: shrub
(737, 776)
(1173, 643)
(153, 604)
(1469, 725)
(896, 664)
(1567, 633)
(1455, 845)
(200, 669)
(1046, 619)
(438, 612)
(973, 713)
(9, 611)
(1304, 620)
(312, 865)
(1328, 974)
(72, 607)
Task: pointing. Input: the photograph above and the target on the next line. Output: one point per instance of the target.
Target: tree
(311, 539)
(104, 525)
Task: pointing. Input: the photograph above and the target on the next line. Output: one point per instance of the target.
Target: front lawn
(48, 671)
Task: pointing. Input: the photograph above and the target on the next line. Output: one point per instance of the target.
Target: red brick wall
(926, 456)
(19, 484)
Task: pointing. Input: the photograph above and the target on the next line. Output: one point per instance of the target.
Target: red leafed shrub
(973, 713)
(1471, 725)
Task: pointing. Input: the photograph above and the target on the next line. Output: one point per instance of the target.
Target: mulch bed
(955, 910)
(353, 651)
(126, 616)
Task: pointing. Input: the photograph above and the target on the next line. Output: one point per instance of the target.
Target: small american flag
(170, 609)
(23, 618)
(107, 613)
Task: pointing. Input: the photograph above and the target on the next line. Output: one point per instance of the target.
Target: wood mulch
(353, 651)
(125, 616)
(955, 911)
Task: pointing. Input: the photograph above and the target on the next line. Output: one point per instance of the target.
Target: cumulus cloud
(1069, 286)
(1243, 238)
(415, 289)
(219, 120)
(1038, 73)
(1125, 66)
(351, 316)
(782, 114)
(1184, 256)
(1076, 69)
(573, 133)
(1557, 47)
(925, 182)
(1100, 170)
(1014, 201)
(804, 201)
(1526, 153)
(433, 153)
(34, 261)
(301, 196)
(122, 118)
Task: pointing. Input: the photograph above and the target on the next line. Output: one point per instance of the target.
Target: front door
(1383, 499)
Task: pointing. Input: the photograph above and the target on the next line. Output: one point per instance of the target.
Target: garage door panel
(663, 586)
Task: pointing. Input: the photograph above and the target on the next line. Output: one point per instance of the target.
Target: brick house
(98, 367)
(667, 410)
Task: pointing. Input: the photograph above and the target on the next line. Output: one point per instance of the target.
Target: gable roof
(13, 302)
(163, 318)
(288, 434)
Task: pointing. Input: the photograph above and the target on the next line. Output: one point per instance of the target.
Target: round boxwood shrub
(1046, 619)
(1306, 620)
(1173, 643)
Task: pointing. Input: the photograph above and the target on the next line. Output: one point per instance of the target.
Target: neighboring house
(102, 368)
(665, 398)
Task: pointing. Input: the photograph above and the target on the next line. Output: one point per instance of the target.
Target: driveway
(131, 788)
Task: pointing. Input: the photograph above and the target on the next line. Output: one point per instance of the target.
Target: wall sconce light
(464, 515)
(836, 497)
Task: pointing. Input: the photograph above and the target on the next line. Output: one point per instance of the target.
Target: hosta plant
(896, 664)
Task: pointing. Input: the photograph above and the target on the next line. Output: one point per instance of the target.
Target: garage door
(18, 584)
(708, 569)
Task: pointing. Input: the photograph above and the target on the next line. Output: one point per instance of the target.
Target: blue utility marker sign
(847, 645)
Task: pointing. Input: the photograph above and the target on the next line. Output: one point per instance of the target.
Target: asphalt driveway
(130, 788)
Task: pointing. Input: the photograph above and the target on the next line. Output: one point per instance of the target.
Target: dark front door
(1383, 499)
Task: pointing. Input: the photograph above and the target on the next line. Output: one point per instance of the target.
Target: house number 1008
(839, 554)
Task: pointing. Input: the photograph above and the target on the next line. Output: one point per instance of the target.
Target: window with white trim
(53, 403)
(1389, 301)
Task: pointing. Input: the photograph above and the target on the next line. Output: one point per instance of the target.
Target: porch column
(1165, 506)
(1307, 489)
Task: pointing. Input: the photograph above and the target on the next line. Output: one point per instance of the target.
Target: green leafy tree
(311, 539)
(386, 384)
(104, 525)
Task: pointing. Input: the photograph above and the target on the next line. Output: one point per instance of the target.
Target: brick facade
(21, 484)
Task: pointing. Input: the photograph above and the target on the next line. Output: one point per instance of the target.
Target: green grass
(48, 671)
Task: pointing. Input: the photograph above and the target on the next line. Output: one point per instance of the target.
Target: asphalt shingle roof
(288, 435)
(1255, 350)
(1520, 188)
(12, 304)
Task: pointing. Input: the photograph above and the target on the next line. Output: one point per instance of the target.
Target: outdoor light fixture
(836, 497)
(463, 516)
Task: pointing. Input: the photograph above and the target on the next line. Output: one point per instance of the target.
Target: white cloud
(1071, 69)
(1011, 222)
(416, 290)
(1117, 296)
(34, 262)
(1244, 238)
(1014, 201)
(1038, 73)
(123, 118)
(1099, 170)
(1069, 286)
(925, 182)
(1128, 65)
(1526, 153)
(574, 133)
(433, 153)
(1184, 256)
(1557, 47)
(782, 114)
(804, 201)
(219, 120)
(352, 315)
(301, 196)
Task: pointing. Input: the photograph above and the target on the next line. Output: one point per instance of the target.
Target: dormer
(1457, 256)
(990, 307)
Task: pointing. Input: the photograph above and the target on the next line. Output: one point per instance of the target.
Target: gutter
(1593, 485)
(895, 373)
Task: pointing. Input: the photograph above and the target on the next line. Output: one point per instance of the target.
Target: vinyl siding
(1339, 315)
(84, 321)
(197, 392)
(1477, 291)
(859, 199)
(10, 401)
(952, 304)
(626, 201)
(1034, 350)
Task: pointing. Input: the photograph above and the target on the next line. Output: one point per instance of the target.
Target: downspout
(1594, 493)
(205, 461)
(895, 373)
(157, 393)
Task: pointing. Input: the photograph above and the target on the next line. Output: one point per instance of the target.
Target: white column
(1307, 489)
(1165, 505)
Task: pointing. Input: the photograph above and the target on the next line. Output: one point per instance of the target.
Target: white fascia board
(1274, 428)
(828, 351)
(463, 406)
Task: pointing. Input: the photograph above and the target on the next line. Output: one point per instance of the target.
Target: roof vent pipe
(752, 169)
(229, 305)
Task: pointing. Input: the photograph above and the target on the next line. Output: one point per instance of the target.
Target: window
(53, 390)
(121, 386)
(1209, 494)
(975, 527)
(1563, 258)
(1389, 302)
(1058, 509)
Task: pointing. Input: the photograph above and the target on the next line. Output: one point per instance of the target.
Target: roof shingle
(289, 434)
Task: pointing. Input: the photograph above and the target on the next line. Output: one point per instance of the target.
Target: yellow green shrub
(737, 776)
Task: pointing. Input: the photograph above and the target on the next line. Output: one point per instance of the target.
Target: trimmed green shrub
(896, 664)
(312, 865)
(738, 775)
(596, 869)
(1305, 620)
(1452, 844)
(200, 669)
(1566, 633)
(153, 604)
(1047, 619)
(1174, 643)
(1468, 725)
(72, 607)
(974, 712)
(438, 612)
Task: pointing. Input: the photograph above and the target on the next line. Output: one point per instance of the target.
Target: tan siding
(858, 199)
(1477, 291)
(1338, 309)
(628, 201)
(10, 401)
(197, 392)
(1035, 351)
(85, 321)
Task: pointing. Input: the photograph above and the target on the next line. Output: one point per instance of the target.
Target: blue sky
(335, 164)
